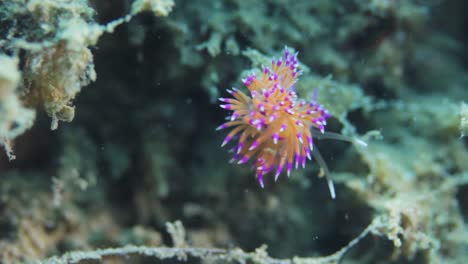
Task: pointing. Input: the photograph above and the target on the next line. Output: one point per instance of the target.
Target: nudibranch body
(272, 124)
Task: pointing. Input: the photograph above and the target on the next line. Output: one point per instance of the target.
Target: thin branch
(181, 253)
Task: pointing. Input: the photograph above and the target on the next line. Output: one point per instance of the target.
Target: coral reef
(140, 80)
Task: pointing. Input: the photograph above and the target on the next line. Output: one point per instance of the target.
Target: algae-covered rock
(57, 62)
(15, 118)
(55, 76)
(463, 119)
(158, 7)
(54, 38)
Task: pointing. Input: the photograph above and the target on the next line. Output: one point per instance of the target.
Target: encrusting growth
(273, 125)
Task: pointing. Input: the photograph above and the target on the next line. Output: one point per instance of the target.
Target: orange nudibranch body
(273, 126)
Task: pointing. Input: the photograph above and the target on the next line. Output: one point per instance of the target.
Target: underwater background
(108, 116)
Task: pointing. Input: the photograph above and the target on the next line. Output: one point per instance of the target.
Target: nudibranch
(274, 126)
